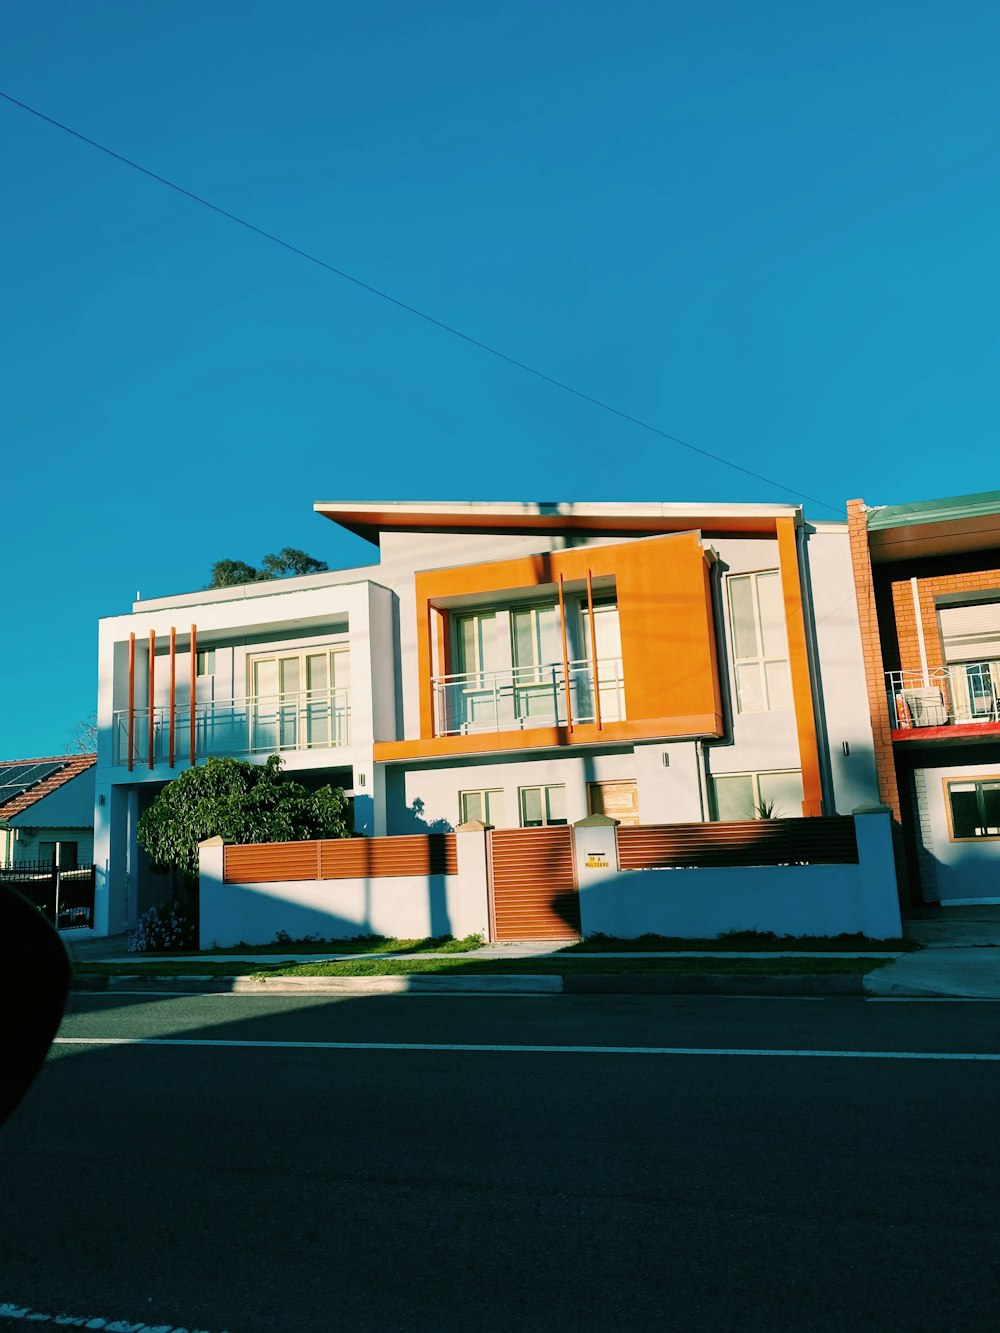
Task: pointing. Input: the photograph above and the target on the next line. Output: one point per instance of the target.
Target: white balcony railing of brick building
(961, 694)
(307, 720)
(519, 698)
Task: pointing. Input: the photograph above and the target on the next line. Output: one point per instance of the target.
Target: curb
(640, 983)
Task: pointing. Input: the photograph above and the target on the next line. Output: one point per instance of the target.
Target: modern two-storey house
(519, 664)
(928, 589)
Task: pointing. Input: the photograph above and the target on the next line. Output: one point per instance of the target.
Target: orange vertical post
(798, 661)
(194, 691)
(150, 729)
(593, 649)
(173, 696)
(131, 702)
(565, 648)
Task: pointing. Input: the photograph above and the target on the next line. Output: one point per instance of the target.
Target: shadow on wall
(411, 820)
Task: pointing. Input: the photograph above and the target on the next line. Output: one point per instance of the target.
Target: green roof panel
(934, 511)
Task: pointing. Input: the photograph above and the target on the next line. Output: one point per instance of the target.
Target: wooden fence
(341, 858)
(829, 840)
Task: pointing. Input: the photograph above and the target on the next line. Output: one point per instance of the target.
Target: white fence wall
(405, 906)
(705, 902)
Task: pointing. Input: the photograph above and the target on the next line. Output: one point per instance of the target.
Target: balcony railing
(958, 695)
(519, 698)
(306, 720)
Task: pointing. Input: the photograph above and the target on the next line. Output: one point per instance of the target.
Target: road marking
(490, 1048)
(9, 1310)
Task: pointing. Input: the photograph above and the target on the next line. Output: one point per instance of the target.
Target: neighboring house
(928, 589)
(520, 664)
(47, 811)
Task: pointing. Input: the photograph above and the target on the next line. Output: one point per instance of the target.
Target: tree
(290, 562)
(84, 739)
(287, 563)
(230, 573)
(240, 802)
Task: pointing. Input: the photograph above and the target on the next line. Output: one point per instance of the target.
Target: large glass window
(486, 806)
(542, 805)
(299, 700)
(775, 795)
(760, 642)
(974, 808)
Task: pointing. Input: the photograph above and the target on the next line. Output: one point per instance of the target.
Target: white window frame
(300, 700)
(761, 660)
(545, 788)
(205, 662)
(755, 778)
(491, 796)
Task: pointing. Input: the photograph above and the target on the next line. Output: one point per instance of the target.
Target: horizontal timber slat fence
(828, 840)
(341, 858)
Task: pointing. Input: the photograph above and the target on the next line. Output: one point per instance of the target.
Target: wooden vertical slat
(194, 693)
(151, 692)
(593, 649)
(565, 653)
(131, 702)
(173, 696)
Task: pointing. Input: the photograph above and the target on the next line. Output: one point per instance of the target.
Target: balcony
(519, 698)
(307, 720)
(963, 694)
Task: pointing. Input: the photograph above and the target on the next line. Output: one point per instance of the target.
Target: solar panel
(18, 778)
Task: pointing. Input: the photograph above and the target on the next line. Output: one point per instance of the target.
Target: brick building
(927, 578)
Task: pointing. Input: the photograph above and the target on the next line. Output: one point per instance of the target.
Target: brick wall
(928, 589)
(871, 643)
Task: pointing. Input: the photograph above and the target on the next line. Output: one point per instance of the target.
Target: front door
(617, 800)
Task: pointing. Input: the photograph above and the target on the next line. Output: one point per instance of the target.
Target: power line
(413, 310)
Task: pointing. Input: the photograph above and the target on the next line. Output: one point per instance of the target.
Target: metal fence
(66, 897)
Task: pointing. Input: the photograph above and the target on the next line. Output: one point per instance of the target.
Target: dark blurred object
(34, 981)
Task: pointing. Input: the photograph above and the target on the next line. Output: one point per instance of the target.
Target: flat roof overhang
(369, 519)
(934, 527)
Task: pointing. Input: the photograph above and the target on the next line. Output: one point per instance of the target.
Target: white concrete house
(523, 664)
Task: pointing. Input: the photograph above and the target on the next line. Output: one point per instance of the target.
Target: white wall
(403, 906)
(705, 902)
(965, 872)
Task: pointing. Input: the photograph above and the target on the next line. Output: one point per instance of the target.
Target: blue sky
(769, 229)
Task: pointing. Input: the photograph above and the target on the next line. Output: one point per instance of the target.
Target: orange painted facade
(798, 661)
(664, 599)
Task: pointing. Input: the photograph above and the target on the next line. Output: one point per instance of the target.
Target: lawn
(366, 944)
(743, 941)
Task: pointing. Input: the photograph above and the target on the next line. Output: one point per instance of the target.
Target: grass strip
(743, 941)
(360, 944)
(553, 965)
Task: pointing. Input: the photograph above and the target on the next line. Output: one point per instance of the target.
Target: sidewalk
(960, 960)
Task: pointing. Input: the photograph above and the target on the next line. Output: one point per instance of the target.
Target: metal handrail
(509, 698)
(250, 713)
(960, 693)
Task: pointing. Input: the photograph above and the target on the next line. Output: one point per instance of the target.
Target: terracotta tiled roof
(75, 764)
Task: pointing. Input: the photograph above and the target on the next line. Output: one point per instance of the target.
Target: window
(758, 795)
(542, 805)
(486, 806)
(206, 662)
(760, 644)
(299, 700)
(974, 808)
(67, 859)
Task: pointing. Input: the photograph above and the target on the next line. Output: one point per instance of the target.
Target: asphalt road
(280, 1187)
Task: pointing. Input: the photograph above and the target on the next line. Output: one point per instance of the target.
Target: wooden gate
(533, 890)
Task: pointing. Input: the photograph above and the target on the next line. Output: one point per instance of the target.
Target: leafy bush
(168, 927)
(240, 802)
